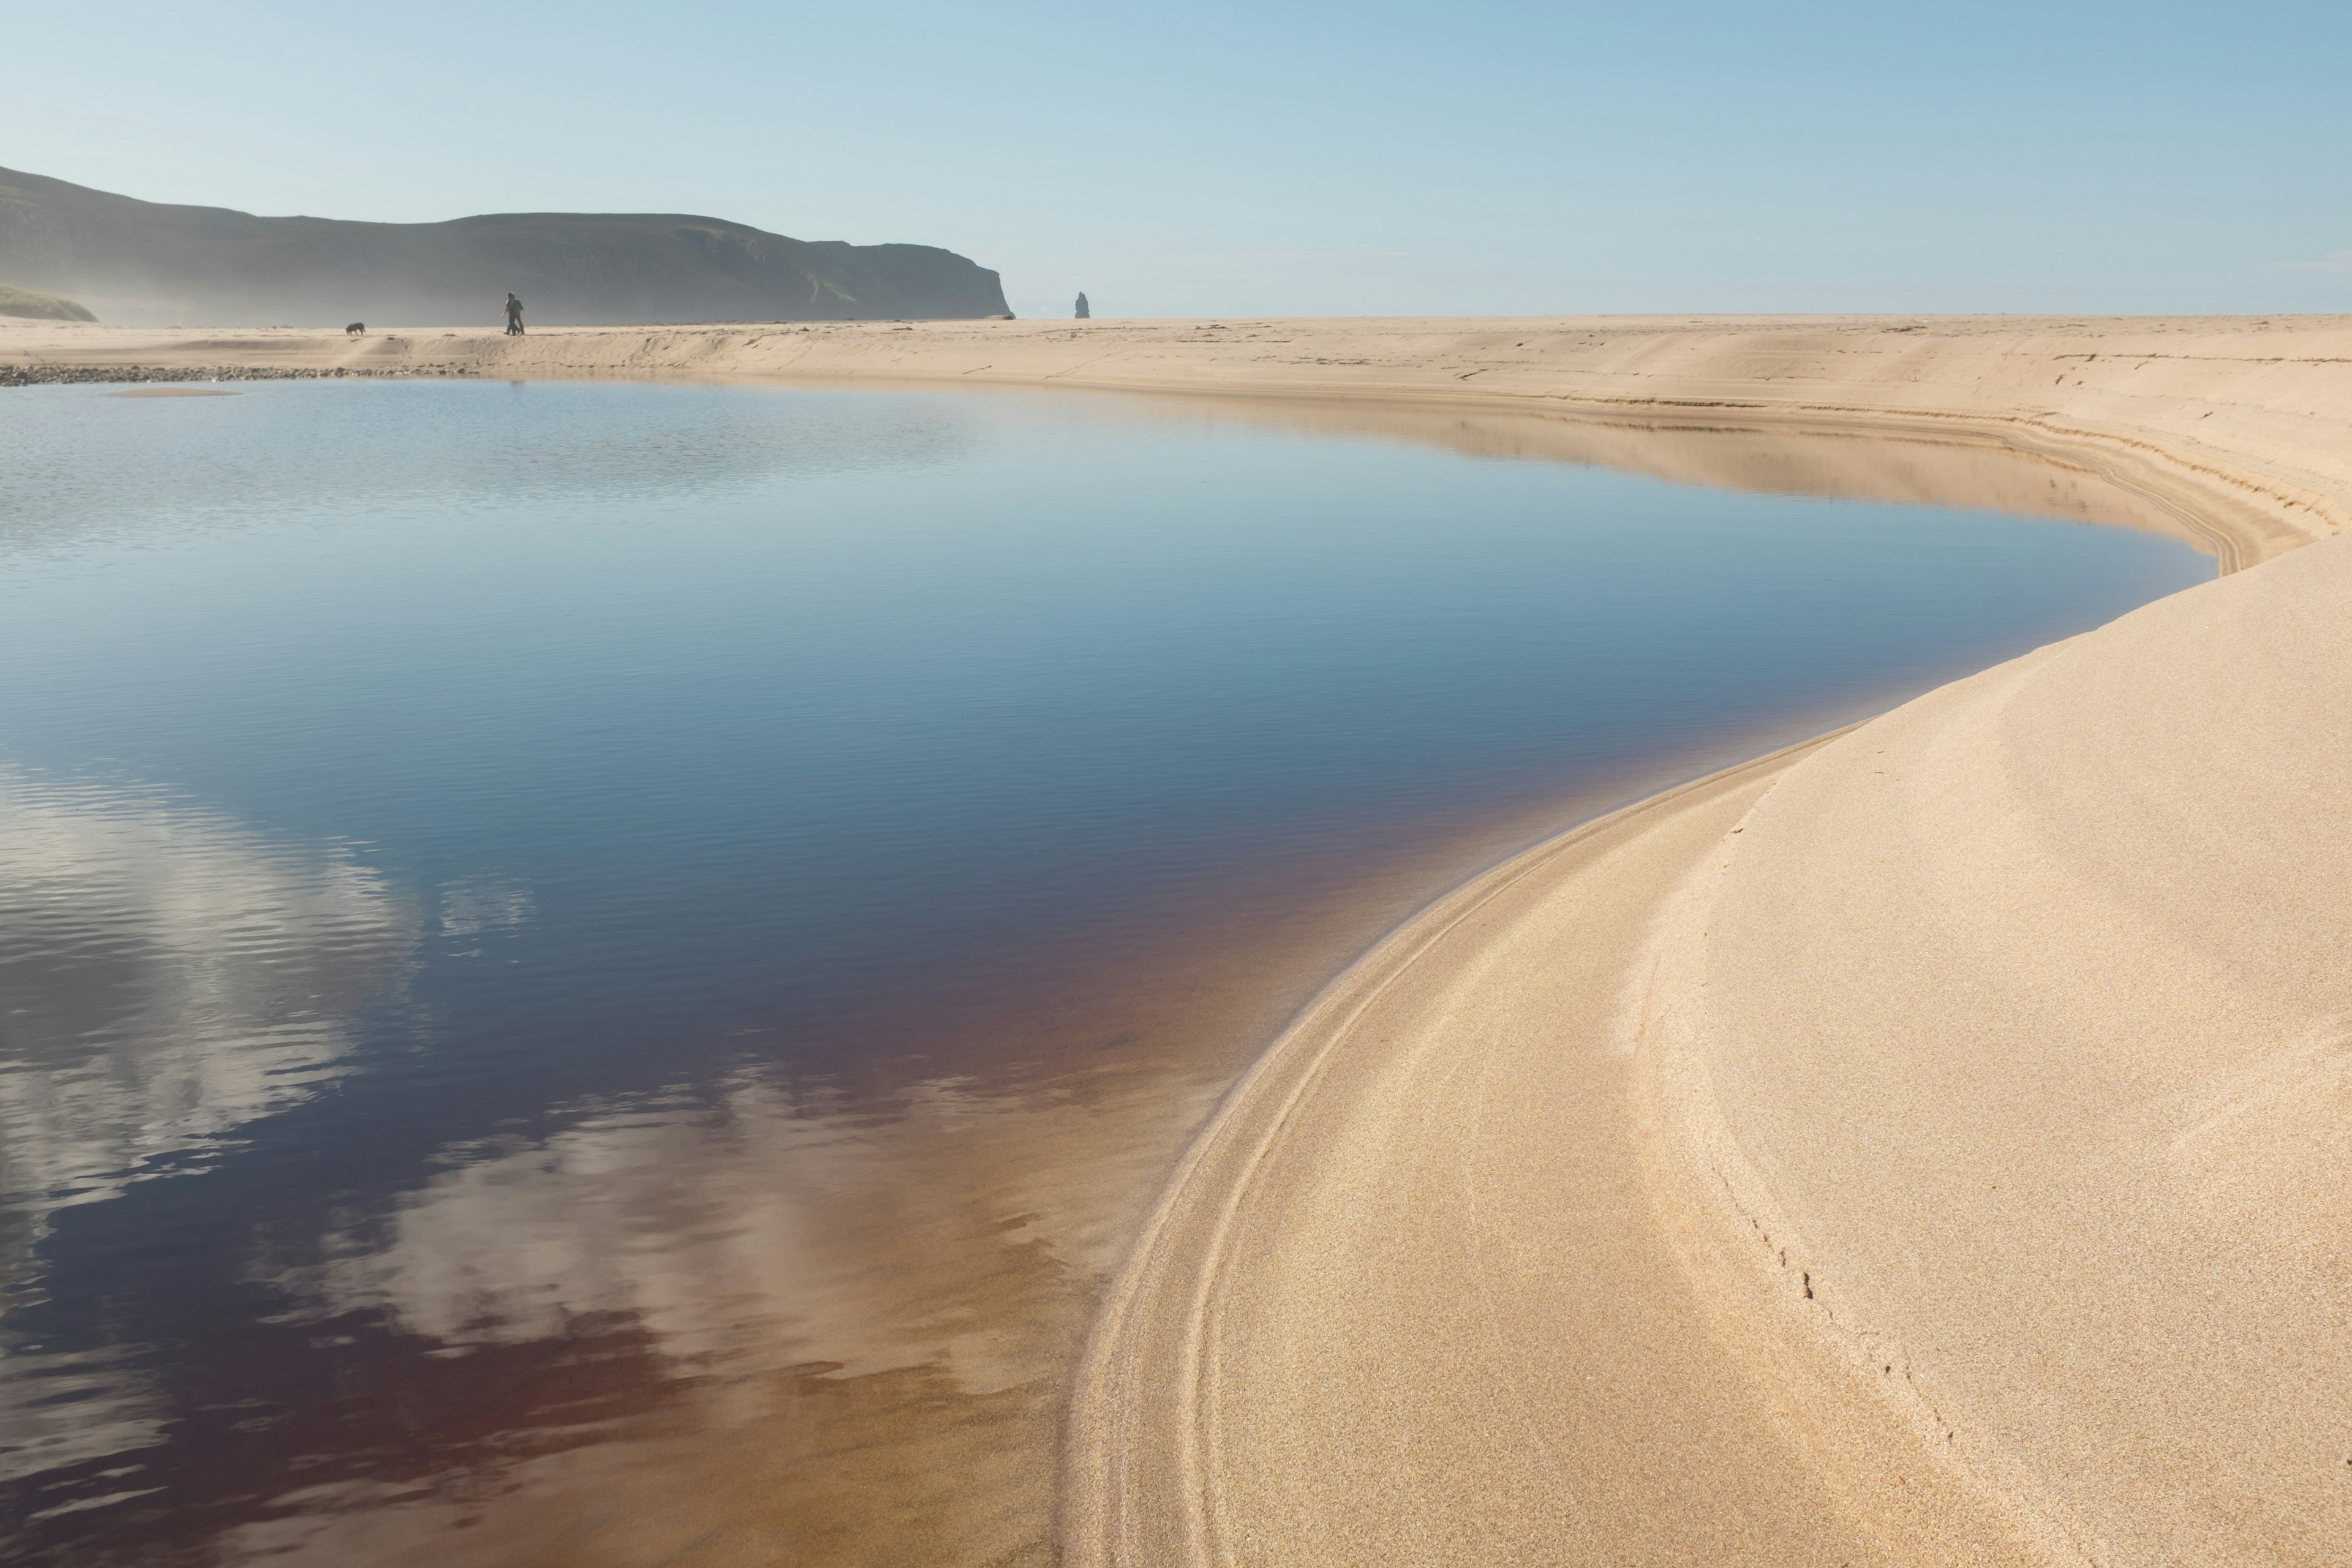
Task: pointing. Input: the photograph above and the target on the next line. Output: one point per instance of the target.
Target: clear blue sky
(1302, 158)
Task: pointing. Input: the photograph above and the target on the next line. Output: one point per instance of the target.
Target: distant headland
(153, 264)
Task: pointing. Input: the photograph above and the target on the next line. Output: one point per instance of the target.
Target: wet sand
(1925, 1146)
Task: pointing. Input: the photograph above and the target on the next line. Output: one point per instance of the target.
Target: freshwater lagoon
(597, 972)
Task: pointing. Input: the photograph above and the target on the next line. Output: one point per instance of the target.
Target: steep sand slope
(2245, 425)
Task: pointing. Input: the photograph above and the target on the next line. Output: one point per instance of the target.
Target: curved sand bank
(1925, 1146)
(1928, 1145)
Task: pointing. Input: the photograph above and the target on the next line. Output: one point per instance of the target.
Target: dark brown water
(598, 973)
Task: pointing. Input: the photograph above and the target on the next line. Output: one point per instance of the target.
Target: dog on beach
(356, 330)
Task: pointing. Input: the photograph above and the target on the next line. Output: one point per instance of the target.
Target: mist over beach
(1034, 785)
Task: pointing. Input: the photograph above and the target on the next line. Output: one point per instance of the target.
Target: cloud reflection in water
(169, 977)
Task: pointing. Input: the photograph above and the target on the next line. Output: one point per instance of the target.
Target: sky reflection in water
(535, 920)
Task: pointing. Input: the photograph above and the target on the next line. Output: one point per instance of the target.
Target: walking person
(514, 315)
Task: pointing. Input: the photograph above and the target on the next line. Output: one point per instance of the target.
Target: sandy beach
(1923, 1145)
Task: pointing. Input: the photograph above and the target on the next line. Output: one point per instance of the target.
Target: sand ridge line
(1767, 1295)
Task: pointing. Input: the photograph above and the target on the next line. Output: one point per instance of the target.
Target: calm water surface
(594, 972)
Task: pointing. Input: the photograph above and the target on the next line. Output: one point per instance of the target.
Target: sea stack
(1084, 314)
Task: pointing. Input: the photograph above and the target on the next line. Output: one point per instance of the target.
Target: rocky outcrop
(146, 263)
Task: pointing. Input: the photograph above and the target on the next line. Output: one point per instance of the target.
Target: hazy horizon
(1499, 160)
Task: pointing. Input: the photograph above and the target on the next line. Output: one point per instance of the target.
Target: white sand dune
(1926, 1146)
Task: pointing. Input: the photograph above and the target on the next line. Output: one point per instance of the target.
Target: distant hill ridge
(149, 263)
